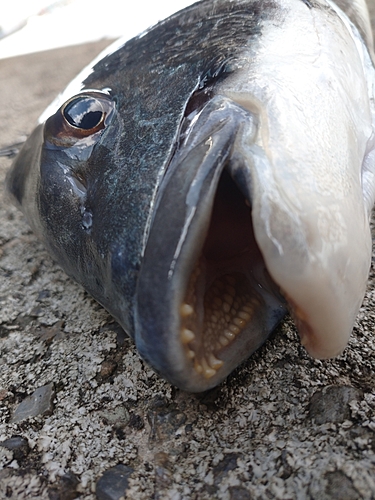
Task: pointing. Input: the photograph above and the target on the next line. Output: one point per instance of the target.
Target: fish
(213, 174)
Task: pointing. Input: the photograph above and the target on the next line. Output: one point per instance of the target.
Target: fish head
(197, 193)
(55, 180)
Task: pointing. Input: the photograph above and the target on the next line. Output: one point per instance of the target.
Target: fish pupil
(84, 113)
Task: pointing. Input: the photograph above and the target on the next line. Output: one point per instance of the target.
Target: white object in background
(14, 15)
(78, 21)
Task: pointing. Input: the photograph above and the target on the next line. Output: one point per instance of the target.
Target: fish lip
(187, 197)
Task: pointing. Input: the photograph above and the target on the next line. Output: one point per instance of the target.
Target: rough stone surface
(251, 437)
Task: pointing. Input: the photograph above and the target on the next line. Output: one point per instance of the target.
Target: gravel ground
(102, 424)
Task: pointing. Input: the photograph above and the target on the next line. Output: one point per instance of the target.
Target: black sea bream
(207, 176)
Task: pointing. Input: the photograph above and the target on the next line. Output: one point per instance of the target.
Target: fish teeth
(244, 315)
(226, 314)
(224, 341)
(214, 362)
(186, 310)
(247, 309)
(187, 335)
(229, 335)
(234, 329)
(214, 318)
(198, 367)
(239, 322)
(207, 371)
(228, 299)
(190, 354)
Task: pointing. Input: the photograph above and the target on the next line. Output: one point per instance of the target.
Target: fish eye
(84, 112)
(82, 118)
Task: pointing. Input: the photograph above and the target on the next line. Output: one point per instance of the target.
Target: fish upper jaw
(312, 229)
(316, 245)
(324, 283)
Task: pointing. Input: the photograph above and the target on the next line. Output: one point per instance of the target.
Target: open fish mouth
(227, 255)
(229, 291)
(219, 301)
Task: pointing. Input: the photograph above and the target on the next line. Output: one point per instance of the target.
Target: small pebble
(18, 445)
(334, 485)
(108, 368)
(239, 493)
(228, 463)
(113, 483)
(117, 417)
(65, 489)
(331, 405)
(39, 403)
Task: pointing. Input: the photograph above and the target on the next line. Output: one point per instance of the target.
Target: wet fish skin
(99, 201)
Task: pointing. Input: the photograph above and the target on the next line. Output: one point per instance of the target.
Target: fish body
(211, 174)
